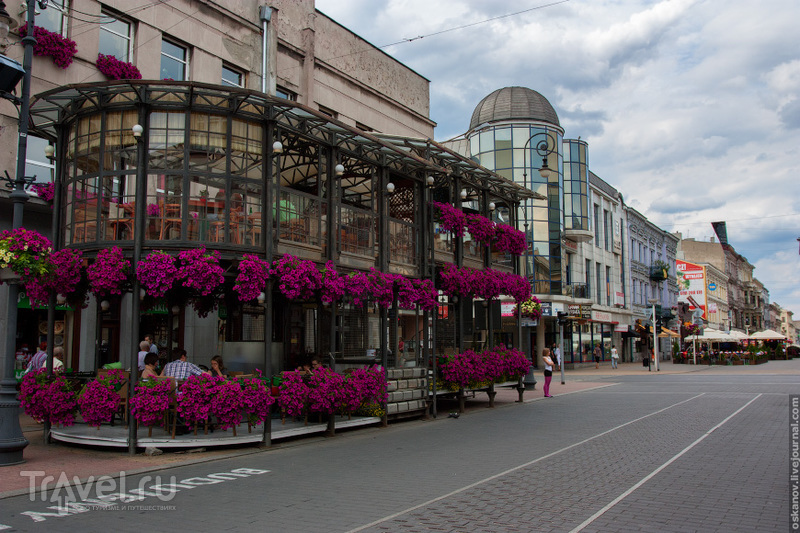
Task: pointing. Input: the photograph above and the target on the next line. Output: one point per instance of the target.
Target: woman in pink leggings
(548, 371)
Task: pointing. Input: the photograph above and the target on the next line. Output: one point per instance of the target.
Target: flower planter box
(658, 274)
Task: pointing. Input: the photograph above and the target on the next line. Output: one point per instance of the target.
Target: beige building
(309, 58)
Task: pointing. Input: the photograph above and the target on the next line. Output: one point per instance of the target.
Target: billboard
(692, 285)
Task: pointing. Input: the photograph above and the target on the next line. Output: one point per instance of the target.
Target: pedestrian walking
(557, 353)
(548, 371)
(614, 356)
(598, 353)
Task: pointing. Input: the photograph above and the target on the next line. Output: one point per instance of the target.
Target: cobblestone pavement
(704, 450)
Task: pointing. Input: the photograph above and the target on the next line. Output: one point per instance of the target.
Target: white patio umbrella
(738, 335)
(768, 335)
(710, 334)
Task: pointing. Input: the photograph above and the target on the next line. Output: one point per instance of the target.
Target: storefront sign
(619, 299)
(617, 244)
(507, 308)
(601, 316)
(528, 323)
(623, 328)
(571, 247)
(547, 309)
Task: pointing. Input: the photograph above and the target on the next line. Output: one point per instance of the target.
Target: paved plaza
(685, 449)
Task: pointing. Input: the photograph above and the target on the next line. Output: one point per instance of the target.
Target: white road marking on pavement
(525, 465)
(655, 472)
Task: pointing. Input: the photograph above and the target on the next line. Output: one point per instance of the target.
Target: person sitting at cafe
(144, 349)
(180, 368)
(58, 359)
(150, 362)
(38, 358)
(218, 367)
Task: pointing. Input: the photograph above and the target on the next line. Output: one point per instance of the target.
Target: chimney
(711, 239)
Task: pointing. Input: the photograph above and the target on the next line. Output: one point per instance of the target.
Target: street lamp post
(544, 145)
(12, 441)
(653, 302)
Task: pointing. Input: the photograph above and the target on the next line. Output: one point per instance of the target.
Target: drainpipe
(265, 14)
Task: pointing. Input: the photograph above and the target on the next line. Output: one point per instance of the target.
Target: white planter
(8, 275)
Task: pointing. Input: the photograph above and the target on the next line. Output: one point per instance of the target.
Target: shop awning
(667, 333)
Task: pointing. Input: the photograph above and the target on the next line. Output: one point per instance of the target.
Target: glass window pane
(115, 39)
(231, 77)
(173, 61)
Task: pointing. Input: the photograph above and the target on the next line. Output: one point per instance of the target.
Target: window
(328, 112)
(606, 227)
(282, 92)
(36, 163)
(231, 77)
(115, 38)
(53, 17)
(174, 61)
(363, 127)
(599, 288)
(596, 225)
(608, 285)
(588, 277)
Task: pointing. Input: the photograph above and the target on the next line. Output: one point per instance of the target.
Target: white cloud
(691, 108)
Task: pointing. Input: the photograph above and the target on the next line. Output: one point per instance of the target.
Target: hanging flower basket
(256, 400)
(66, 277)
(298, 279)
(48, 398)
(531, 308)
(108, 275)
(25, 253)
(451, 219)
(157, 273)
(252, 278)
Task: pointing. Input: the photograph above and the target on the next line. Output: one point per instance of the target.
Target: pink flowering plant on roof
(48, 398)
(157, 273)
(511, 240)
(298, 279)
(481, 229)
(26, 252)
(451, 219)
(333, 285)
(52, 44)
(99, 399)
(115, 69)
(151, 401)
(252, 278)
(108, 274)
(45, 191)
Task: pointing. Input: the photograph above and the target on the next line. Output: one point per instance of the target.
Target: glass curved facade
(511, 151)
(576, 185)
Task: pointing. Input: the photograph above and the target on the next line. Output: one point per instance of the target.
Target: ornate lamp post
(12, 441)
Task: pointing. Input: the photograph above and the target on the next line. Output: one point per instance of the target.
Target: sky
(690, 108)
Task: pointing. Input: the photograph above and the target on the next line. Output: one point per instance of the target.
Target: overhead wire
(412, 39)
